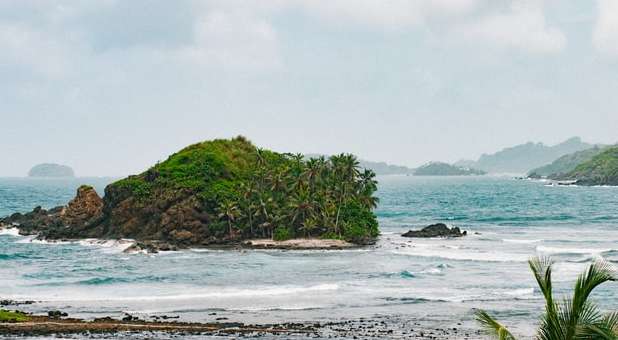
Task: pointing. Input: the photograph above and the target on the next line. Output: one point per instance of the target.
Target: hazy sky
(109, 87)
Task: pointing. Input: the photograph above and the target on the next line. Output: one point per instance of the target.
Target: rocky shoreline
(133, 328)
(76, 221)
(153, 247)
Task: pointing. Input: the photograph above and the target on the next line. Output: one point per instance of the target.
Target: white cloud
(233, 39)
(387, 15)
(523, 26)
(35, 51)
(605, 34)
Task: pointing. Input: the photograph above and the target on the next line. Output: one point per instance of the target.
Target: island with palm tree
(220, 193)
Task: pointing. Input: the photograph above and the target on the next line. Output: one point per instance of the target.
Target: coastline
(133, 328)
(153, 246)
(300, 244)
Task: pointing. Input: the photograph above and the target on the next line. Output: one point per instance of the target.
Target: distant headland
(46, 170)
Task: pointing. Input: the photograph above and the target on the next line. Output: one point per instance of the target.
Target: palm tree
(346, 166)
(246, 202)
(573, 319)
(367, 186)
(301, 204)
(229, 211)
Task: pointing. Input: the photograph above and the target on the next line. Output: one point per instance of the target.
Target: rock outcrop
(85, 208)
(70, 221)
(436, 230)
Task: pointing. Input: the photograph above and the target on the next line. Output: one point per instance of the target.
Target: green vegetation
(7, 316)
(253, 192)
(444, 169)
(573, 319)
(602, 169)
(565, 164)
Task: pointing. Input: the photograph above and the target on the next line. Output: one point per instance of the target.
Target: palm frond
(605, 329)
(581, 314)
(492, 326)
(541, 268)
(598, 273)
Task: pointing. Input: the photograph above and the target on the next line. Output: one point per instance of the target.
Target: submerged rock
(436, 230)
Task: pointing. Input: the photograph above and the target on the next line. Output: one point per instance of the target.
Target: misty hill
(380, 168)
(444, 169)
(51, 170)
(566, 163)
(524, 157)
(602, 169)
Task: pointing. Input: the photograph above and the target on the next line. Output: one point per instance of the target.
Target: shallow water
(438, 281)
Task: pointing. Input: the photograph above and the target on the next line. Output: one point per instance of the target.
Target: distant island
(51, 170)
(565, 164)
(380, 168)
(383, 168)
(221, 192)
(445, 169)
(524, 157)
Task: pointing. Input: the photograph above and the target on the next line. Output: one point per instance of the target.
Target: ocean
(437, 282)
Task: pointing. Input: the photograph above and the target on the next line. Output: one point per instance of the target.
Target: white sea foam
(461, 254)
(497, 295)
(108, 246)
(520, 292)
(433, 271)
(9, 231)
(211, 293)
(33, 239)
(520, 241)
(555, 250)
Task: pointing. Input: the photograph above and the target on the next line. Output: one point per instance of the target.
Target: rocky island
(436, 230)
(445, 169)
(46, 170)
(220, 193)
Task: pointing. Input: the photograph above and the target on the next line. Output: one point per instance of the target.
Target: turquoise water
(435, 280)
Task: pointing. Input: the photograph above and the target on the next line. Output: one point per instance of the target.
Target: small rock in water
(436, 230)
(56, 314)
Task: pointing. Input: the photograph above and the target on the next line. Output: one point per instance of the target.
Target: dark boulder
(436, 230)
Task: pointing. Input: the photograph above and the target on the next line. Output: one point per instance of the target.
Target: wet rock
(128, 318)
(15, 303)
(84, 208)
(150, 247)
(56, 314)
(436, 230)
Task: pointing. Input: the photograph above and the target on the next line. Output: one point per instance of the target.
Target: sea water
(437, 281)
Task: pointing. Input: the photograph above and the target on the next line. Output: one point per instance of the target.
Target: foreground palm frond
(572, 319)
(493, 327)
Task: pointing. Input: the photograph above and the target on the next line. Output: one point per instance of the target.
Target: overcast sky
(110, 87)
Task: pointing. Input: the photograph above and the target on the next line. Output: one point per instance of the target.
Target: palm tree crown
(572, 319)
